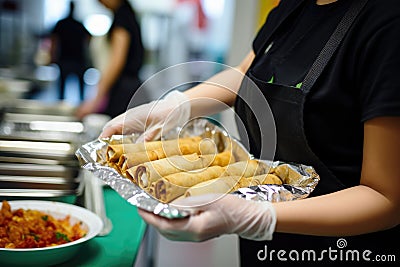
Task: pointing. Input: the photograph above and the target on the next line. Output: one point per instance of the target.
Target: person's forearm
(216, 94)
(119, 51)
(352, 211)
(108, 79)
(219, 92)
(53, 49)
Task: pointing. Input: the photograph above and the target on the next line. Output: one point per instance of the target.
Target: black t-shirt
(72, 39)
(124, 17)
(361, 81)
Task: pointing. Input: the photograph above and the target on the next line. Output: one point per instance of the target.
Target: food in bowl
(29, 228)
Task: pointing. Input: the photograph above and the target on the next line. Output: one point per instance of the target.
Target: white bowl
(57, 254)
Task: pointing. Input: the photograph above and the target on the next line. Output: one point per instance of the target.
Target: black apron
(287, 106)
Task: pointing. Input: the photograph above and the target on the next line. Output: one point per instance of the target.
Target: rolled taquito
(147, 173)
(220, 185)
(172, 186)
(246, 168)
(143, 174)
(114, 152)
(130, 160)
(228, 184)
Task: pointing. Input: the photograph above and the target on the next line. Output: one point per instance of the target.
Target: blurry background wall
(174, 31)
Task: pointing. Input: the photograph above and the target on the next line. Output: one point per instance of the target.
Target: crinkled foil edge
(88, 158)
(299, 189)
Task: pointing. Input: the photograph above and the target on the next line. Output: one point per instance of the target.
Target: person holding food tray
(328, 70)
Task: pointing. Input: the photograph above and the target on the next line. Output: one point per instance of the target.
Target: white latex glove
(217, 215)
(152, 118)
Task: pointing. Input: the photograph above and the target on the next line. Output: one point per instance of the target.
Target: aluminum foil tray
(92, 157)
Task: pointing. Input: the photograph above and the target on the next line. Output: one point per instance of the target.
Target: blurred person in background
(120, 80)
(70, 50)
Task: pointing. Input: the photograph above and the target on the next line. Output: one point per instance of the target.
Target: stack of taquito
(186, 167)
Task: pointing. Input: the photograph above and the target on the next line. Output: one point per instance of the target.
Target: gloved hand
(216, 215)
(152, 118)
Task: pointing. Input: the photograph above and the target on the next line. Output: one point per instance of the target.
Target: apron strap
(332, 44)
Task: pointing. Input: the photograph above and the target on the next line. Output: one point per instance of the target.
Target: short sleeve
(56, 28)
(263, 32)
(380, 73)
(123, 19)
(273, 18)
(258, 40)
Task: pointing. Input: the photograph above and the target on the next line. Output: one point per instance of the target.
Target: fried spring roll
(228, 184)
(131, 160)
(114, 152)
(245, 168)
(149, 172)
(142, 174)
(172, 186)
(221, 185)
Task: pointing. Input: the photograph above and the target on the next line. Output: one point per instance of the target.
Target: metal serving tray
(25, 160)
(26, 117)
(36, 149)
(9, 132)
(29, 182)
(42, 193)
(28, 106)
(38, 170)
